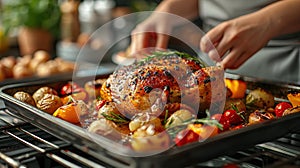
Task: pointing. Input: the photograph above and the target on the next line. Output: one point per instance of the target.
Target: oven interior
(25, 145)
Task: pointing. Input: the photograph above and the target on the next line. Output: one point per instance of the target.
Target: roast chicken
(163, 78)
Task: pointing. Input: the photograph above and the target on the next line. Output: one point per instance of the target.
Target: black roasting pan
(189, 154)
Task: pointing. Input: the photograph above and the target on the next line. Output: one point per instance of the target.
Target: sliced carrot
(294, 98)
(68, 113)
(237, 87)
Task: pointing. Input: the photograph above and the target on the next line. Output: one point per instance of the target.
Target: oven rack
(25, 145)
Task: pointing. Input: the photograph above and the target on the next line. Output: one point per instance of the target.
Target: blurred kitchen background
(60, 27)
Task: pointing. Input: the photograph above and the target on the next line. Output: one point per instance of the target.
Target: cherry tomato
(70, 88)
(280, 107)
(186, 136)
(232, 117)
(74, 90)
(225, 123)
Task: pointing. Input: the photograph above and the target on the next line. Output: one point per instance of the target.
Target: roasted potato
(24, 97)
(27, 65)
(20, 71)
(103, 127)
(260, 116)
(260, 98)
(41, 55)
(178, 118)
(39, 58)
(39, 94)
(146, 124)
(235, 104)
(148, 135)
(9, 61)
(154, 143)
(49, 103)
(48, 68)
(24, 60)
(292, 110)
(64, 66)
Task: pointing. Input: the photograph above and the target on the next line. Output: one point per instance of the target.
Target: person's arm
(284, 17)
(184, 8)
(242, 37)
(153, 32)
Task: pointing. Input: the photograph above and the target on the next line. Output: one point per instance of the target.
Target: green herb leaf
(43, 14)
(117, 118)
(166, 117)
(159, 54)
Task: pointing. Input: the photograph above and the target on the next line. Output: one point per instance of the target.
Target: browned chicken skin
(149, 85)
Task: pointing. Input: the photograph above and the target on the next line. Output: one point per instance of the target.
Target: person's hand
(151, 33)
(236, 40)
(154, 31)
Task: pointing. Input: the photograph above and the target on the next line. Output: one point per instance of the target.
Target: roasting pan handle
(2, 105)
(8, 116)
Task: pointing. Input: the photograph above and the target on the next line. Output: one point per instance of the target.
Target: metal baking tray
(186, 155)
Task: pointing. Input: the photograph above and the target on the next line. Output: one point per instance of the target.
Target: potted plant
(37, 22)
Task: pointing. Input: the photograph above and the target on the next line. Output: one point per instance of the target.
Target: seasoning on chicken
(162, 78)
